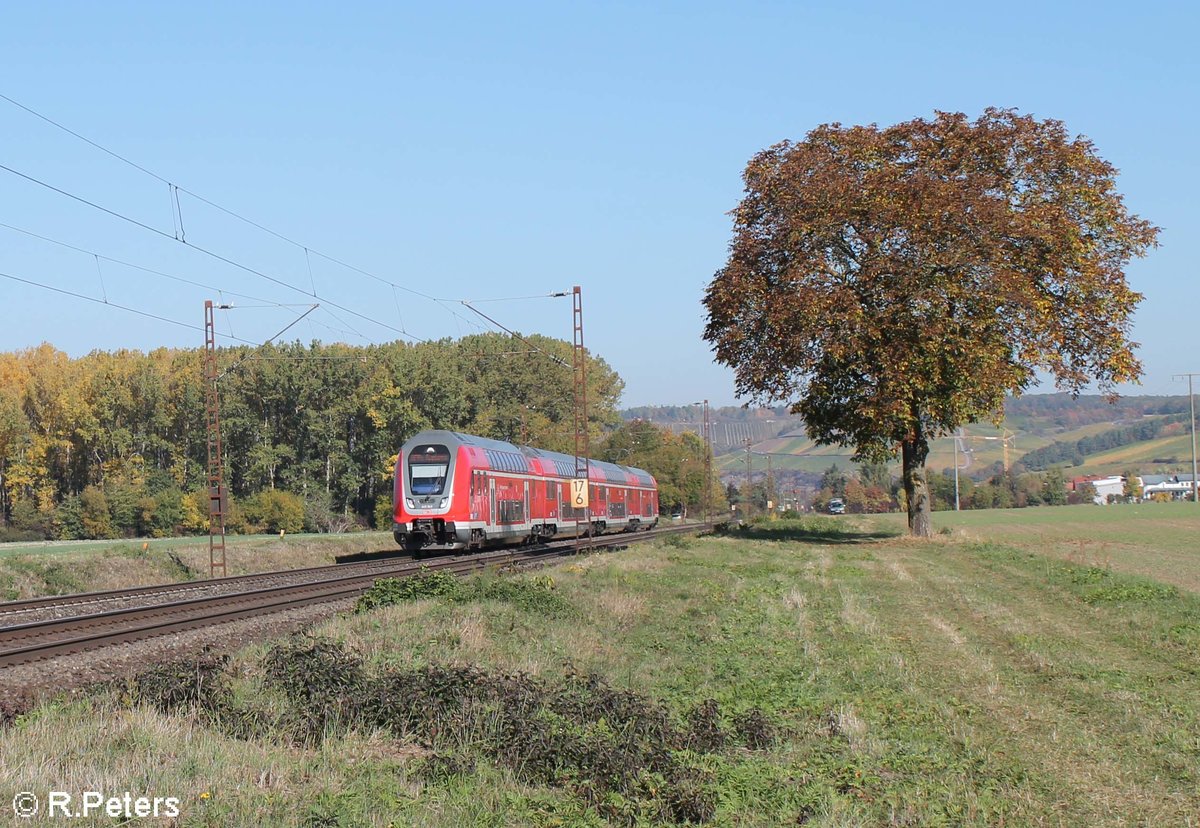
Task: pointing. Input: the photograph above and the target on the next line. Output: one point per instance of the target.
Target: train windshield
(427, 470)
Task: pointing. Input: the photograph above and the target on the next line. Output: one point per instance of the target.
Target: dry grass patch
(472, 634)
(897, 569)
(624, 606)
(855, 615)
(945, 629)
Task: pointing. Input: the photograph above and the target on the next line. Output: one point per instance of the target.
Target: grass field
(1157, 540)
(826, 673)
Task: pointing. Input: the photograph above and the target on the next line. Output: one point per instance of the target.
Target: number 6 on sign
(579, 493)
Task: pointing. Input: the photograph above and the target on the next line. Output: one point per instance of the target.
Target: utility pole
(1192, 405)
(217, 494)
(749, 478)
(956, 472)
(770, 488)
(706, 492)
(582, 476)
(708, 458)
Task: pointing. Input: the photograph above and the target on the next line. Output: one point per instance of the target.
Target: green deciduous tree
(895, 283)
(1054, 488)
(675, 460)
(1133, 486)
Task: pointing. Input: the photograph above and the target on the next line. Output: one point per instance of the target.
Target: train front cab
(425, 493)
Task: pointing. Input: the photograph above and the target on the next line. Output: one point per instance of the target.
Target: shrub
(754, 729)
(162, 514)
(677, 541)
(193, 512)
(1130, 592)
(9, 534)
(383, 513)
(322, 680)
(320, 516)
(620, 752)
(68, 520)
(536, 595)
(27, 518)
(274, 510)
(425, 584)
(94, 514)
(200, 684)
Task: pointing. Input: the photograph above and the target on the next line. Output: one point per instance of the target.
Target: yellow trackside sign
(579, 493)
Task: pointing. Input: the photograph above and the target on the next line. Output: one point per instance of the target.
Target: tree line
(1075, 451)
(113, 444)
(873, 489)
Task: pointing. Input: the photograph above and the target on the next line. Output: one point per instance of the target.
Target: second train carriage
(457, 490)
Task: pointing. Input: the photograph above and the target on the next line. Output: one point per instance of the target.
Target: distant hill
(1148, 433)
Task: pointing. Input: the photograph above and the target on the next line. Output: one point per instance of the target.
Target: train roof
(504, 452)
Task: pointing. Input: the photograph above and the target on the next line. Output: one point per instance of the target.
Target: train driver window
(427, 468)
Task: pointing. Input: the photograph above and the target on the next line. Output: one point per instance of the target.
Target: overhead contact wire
(180, 233)
(87, 298)
(205, 251)
(123, 263)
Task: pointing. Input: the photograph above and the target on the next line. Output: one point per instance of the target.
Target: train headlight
(412, 504)
(442, 503)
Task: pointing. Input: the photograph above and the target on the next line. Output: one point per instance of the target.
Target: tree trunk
(916, 490)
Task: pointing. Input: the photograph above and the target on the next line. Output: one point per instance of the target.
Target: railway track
(43, 628)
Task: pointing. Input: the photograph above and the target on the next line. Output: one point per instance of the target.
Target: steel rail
(80, 598)
(38, 640)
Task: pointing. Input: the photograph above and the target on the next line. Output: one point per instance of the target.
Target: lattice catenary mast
(217, 495)
(579, 363)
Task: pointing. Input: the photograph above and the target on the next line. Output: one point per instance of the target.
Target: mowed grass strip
(1157, 540)
(952, 682)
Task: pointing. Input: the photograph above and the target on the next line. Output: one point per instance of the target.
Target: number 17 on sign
(579, 493)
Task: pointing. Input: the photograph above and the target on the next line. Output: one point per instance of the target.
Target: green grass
(968, 680)
(1157, 540)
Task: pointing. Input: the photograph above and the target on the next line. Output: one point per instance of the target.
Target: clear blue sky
(470, 151)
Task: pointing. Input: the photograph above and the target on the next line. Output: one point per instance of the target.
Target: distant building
(1104, 486)
(1177, 486)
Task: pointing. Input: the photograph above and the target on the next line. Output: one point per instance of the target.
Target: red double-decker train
(457, 491)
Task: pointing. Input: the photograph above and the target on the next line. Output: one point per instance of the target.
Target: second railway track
(43, 628)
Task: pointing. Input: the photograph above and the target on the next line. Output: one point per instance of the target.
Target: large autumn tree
(894, 283)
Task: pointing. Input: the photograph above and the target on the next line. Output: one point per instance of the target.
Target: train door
(478, 496)
(492, 501)
(528, 515)
(537, 503)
